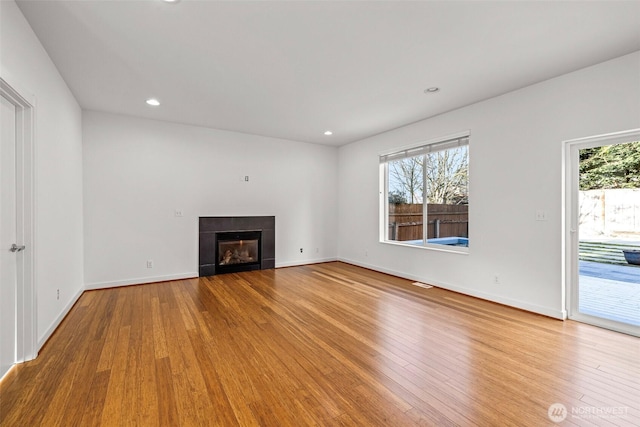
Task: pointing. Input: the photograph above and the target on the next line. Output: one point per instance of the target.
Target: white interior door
(8, 270)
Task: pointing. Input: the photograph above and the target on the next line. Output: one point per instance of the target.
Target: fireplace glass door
(238, 251)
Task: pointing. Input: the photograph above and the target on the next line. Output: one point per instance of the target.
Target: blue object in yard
(450, 241)
(632, 256)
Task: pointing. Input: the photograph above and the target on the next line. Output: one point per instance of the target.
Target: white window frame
(423, 147)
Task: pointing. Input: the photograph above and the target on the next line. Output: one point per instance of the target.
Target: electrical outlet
(178, 212)
(541, 215)
(149, 263)
(57, 293)
(496, 279)
(301, 250)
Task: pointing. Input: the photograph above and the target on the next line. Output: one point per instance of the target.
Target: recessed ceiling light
(153, 102)
(171, 1)
(328, 132)
(432, 90)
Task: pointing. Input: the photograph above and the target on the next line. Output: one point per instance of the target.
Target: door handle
(16, 248)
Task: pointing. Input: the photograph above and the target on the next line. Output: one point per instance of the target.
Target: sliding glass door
(602, 190)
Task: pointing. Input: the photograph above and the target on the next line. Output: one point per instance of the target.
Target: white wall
(515, 168)
(58, 167)
(138, 172)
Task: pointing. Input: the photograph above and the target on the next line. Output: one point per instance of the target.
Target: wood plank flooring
(327, 344)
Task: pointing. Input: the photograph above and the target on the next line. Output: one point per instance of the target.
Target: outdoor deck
(610, 291)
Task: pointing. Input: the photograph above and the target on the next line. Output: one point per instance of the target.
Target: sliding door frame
(571, 212)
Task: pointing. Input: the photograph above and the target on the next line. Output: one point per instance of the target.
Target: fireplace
(234, 244)
(238, 251)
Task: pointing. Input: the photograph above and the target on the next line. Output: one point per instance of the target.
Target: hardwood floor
(327, 344)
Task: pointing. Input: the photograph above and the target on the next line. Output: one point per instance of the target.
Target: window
(426, 194)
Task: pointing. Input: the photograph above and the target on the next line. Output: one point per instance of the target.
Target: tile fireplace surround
(209, 226)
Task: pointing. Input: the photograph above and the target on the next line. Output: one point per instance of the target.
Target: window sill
(430, 246)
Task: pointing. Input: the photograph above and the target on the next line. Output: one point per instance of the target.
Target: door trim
(570, 236)
(26, 295)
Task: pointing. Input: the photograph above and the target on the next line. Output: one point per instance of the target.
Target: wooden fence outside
(406, 221)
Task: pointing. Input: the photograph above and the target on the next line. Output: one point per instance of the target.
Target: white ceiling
(293, 69)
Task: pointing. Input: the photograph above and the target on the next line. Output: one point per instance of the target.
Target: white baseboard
(7, 372)
(523, 305)
(140, 281)
(43, 339)
(305, 262)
